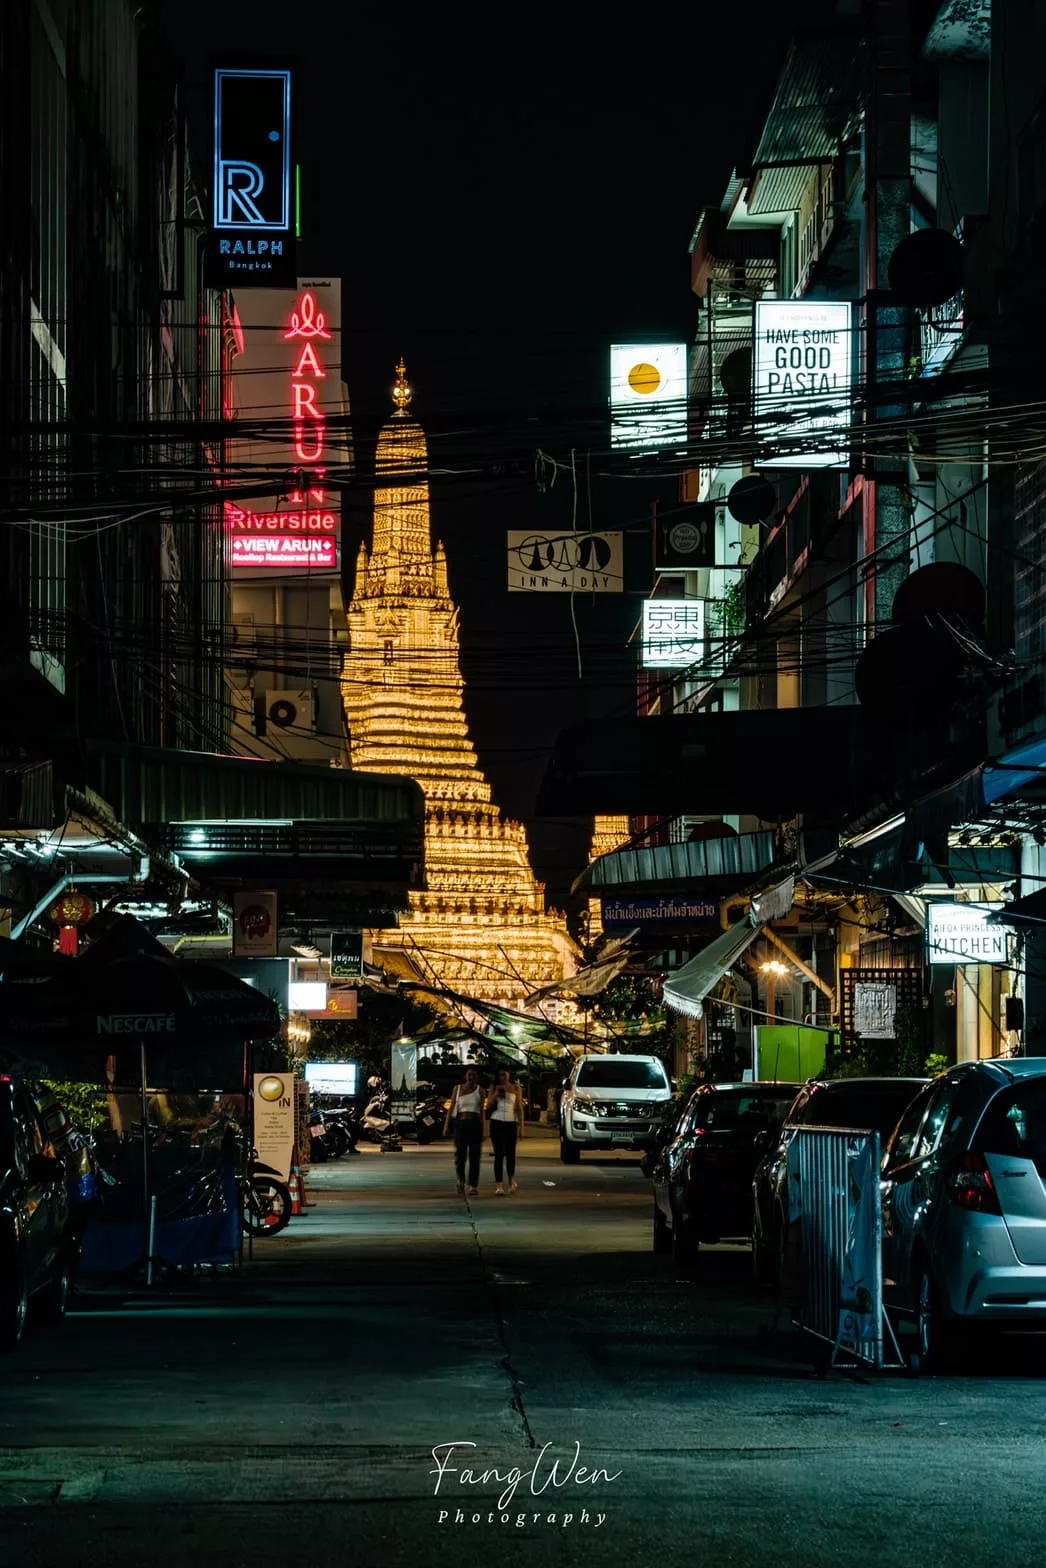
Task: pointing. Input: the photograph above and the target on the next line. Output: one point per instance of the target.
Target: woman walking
(466, 1112)
(505, 1117)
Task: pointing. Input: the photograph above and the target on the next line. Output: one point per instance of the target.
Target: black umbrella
(91, 1016)
(126, 1013)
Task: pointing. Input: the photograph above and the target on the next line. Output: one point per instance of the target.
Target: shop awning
(685, 990)
(312, 833)
(833, 762)
(717, 860)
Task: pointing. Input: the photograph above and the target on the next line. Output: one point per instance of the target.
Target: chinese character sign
(673, 633)
(289, 400)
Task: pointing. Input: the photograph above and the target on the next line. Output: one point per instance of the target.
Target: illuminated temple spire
(482, 925)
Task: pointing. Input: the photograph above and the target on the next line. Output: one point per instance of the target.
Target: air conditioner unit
(290, 710)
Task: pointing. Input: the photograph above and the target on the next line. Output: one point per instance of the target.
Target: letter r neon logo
(239, 184)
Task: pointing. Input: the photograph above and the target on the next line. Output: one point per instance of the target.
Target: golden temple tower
(481, 928)
(608, 834)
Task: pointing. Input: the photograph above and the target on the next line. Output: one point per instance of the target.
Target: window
(950, 1115)
(908, 1130)
(877, 1105)
(742, 1111)
(1015, 1123)
(608, 1073)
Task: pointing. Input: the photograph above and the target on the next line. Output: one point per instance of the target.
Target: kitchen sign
(802, 371)
(962, 934)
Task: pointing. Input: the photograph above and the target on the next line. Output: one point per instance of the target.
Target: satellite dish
(926, 268)
(917, 665)
(751, 500)
(735, 373)
(942, 588)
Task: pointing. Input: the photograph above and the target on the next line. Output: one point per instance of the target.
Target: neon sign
(301, 530)
(252, 219)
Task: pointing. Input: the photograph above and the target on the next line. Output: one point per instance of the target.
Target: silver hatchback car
(964, 1203)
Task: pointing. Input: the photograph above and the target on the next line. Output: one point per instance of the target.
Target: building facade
(884, 657)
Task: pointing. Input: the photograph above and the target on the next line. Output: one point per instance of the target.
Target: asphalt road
(288, 1414)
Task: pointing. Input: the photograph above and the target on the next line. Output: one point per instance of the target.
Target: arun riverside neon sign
(301, 529)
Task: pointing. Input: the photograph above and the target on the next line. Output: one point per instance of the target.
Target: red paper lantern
(69, 912)
(72, 909)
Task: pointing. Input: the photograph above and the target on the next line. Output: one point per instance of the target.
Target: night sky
(504, 194)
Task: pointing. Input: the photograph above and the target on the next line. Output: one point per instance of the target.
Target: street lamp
(773, 969)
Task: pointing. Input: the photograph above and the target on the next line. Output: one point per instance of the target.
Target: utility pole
(887, 163)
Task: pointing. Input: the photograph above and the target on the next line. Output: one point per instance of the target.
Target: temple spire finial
(402, 392)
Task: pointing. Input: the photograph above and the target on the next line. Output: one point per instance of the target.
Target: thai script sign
(677, 910)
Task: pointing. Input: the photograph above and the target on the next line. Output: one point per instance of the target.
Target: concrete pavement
(292, 1411)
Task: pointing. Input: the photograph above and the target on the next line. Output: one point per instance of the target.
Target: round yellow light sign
(644, 378)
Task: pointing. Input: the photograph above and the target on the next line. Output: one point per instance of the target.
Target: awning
(833, 762)
(732, 858)
(311, 833)
(686, 989)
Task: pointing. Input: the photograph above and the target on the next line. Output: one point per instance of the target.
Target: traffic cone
(295, 1186)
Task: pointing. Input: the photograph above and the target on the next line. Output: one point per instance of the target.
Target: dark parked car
(964, 1203)
(703, 1175)
(36, 1242)
(877, 1103)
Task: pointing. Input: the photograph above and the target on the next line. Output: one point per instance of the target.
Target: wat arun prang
(481, 929)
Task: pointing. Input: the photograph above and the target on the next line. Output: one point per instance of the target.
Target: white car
(612, 1102)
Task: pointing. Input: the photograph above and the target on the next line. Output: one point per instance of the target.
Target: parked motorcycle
(342, 1131)
(427, 1124)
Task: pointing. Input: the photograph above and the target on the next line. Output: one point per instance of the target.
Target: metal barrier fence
(835, 1234)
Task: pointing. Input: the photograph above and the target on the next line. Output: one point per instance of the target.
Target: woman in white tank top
(505, 1116)
(466, 1112)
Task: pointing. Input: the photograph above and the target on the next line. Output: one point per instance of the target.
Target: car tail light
(971, 1186)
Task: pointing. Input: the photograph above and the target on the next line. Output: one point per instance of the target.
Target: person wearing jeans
(505, 1117)
(466, 1112)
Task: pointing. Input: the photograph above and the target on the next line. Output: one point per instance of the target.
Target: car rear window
(1015, 1123)
(720, 1112)
(610, 1074)
(881, 1107)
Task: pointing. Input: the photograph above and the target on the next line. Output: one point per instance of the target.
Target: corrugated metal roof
(662, 865)
(817, 98)
(145, 784)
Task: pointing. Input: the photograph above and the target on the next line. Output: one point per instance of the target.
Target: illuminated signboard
(673, 633)
(564, 562)
(252, 239)
(961, 934)
(802, 372)
(331, 1077)
(648, 395)
(289, 399)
